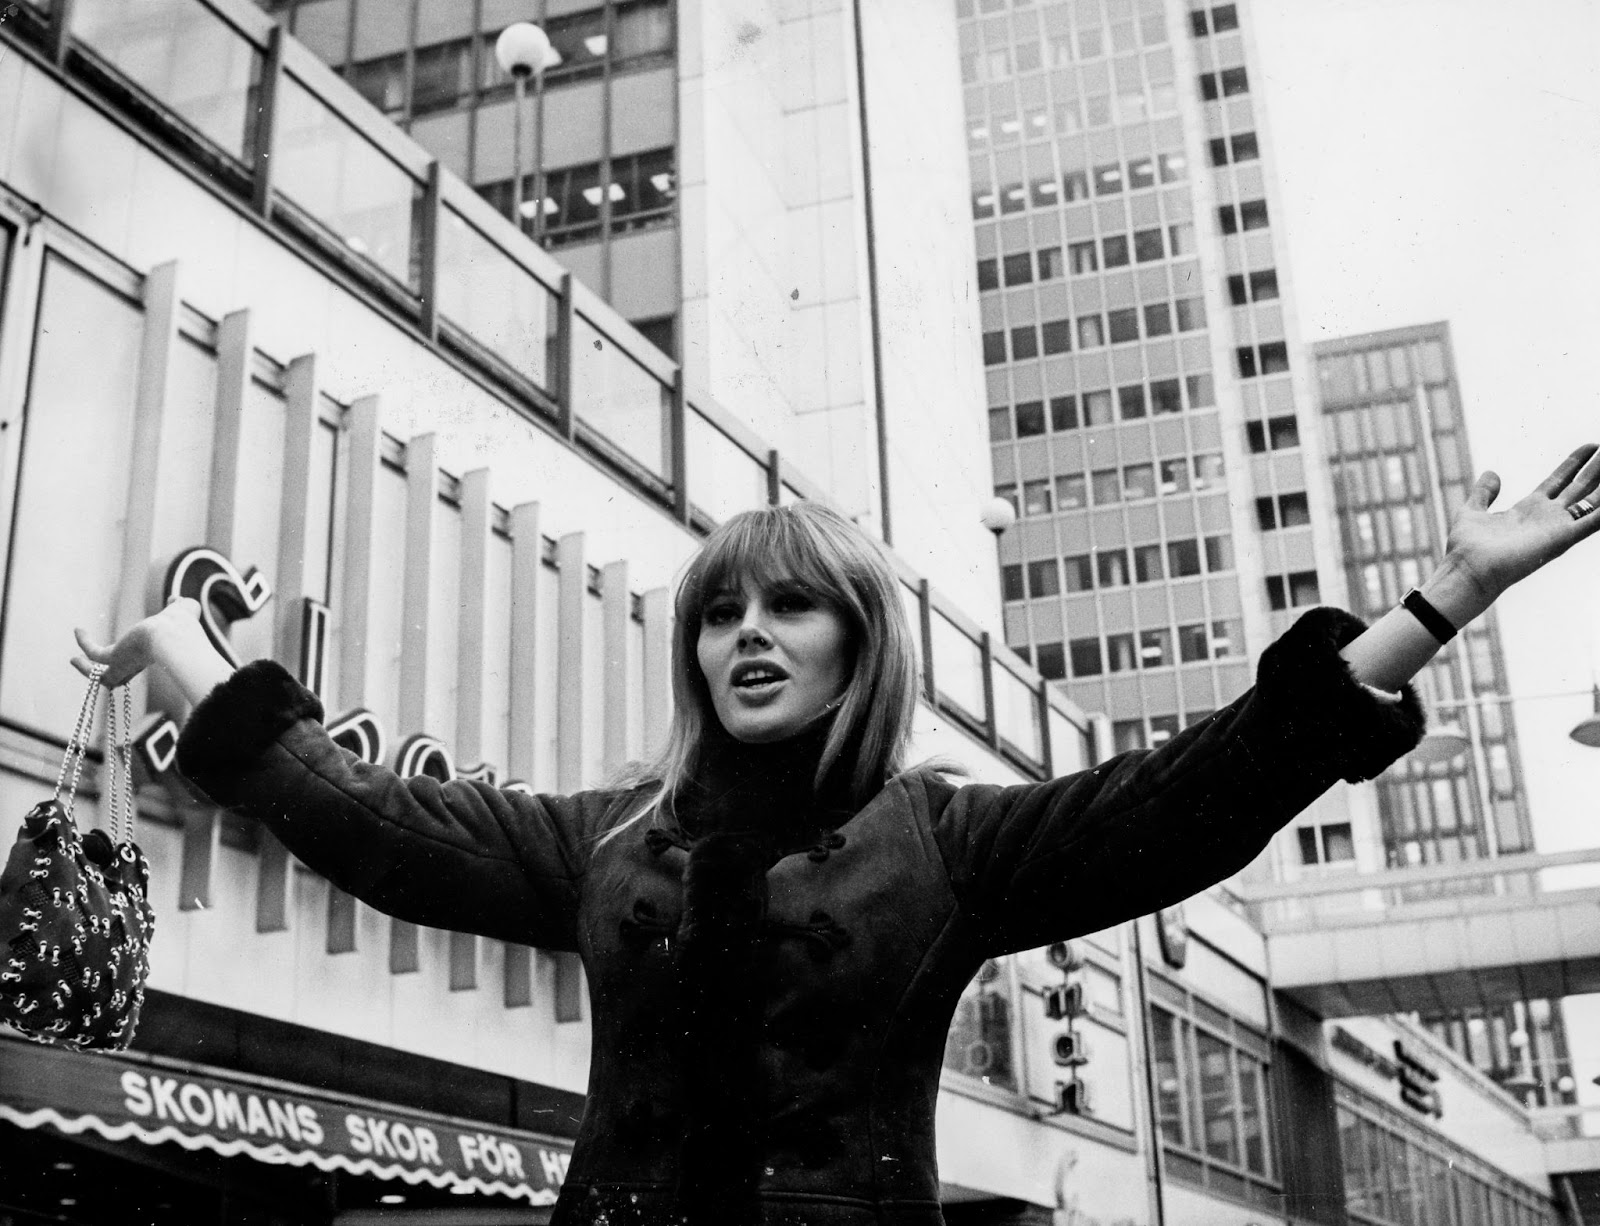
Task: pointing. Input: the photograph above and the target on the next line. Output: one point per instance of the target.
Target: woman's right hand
(148, 642)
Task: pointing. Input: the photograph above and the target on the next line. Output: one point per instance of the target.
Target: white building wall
(777, 306)
(933, 383)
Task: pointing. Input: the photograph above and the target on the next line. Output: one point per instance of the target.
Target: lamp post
(523, 50)
(998, 514)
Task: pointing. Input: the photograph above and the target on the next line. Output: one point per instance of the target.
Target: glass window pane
(343, 182)
(723, 478)
(619, 398)
(183, 54)
(81, 386)
(442, 78)
(1165, 1049)
(642, 29)
(1016, 710)
(957, 666)
(1252, 1113)
(1218, 1116)
(979, 1042)
(494, 300)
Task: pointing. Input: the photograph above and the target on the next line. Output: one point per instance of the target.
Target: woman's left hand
(1496, 549)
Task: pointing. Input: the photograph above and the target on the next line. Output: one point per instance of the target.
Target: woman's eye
(720, 615)
(793, 602)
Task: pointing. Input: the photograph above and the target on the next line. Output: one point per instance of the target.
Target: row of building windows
(1245, 288)
(1228, 83)
(1399, 529)
(1080, 259)
(1246, 215)
(1107, 179)
(1152, 732)
(1100, 408)
(1240, 147)
(1273, 434)
(1222, 18)
(1296, 590)
(635, 192)
(457, 72)
(1268, 358)
(1130, 483)
(1397, 1174)
(1379, 479)
(1194, 643)
(1117, 327)
(1059, 46)
(1073, 114)
(1392, 426)
(1348, 376)
(1211, 1092)
(1290, 510)
(1109, 568)
(1326, 844)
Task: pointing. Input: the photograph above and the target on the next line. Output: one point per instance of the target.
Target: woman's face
(774, 659)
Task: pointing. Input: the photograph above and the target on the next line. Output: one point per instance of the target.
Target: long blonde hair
(809, 544)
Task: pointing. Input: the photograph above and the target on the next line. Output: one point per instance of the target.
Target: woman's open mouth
(753, 680)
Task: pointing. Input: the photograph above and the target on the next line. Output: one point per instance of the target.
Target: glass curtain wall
(429, 65)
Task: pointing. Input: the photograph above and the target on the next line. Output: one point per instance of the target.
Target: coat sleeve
(459, 855)
(1042, 862)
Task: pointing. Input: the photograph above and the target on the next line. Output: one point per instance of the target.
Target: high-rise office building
(1397, 446)
(1396, 437)
(711, 171)
(1151, 413)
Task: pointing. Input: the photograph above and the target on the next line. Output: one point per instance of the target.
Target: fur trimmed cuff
(236, 722)
(1309, 682)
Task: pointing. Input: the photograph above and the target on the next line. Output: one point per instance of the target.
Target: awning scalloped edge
(278, 1155)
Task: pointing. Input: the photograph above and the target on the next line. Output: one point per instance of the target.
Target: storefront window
(1399, 1171)
(1168, 1036)
(979, 1042)
(84, 368)
(1211, 1083)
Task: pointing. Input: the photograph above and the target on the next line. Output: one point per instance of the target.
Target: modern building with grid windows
(1396, 436)
(1150, 416)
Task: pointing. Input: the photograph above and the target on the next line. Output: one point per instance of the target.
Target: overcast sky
(1440, 159)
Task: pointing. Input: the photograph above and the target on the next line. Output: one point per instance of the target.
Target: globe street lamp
(523, 50)
(998, 514)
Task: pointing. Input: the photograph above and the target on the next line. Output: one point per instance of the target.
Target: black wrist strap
(1433, 621)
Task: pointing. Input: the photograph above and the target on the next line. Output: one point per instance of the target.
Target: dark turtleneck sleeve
(1042, 862)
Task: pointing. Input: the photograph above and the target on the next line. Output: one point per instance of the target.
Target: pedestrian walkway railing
(1357, 899)
(221, 87)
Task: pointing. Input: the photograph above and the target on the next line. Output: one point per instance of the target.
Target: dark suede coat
(770, 995)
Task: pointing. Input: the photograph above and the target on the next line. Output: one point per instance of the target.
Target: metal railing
(220, 86)
(1347, 899)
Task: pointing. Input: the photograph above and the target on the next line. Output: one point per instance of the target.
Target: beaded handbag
(75, 919)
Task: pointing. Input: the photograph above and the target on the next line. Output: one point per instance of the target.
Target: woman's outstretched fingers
(1484, 491)
(1564, 472)
(1583, 483)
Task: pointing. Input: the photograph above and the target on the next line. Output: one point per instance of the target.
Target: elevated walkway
(1434, 938)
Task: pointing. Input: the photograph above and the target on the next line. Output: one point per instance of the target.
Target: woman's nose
(750, 632)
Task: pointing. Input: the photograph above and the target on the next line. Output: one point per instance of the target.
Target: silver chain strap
(79, 744)
(119, 753)
(118, 757)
